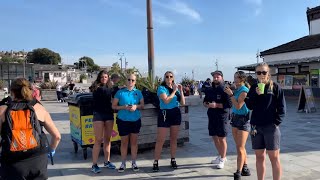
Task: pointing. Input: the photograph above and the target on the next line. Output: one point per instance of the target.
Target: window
(303, 69)
(57, 74)
(291, 70)
(282, 70)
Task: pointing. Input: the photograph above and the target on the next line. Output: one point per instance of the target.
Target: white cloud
(180, 8)
(257, 5)
(162, 20)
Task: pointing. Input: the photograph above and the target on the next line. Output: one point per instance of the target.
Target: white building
(297, 62)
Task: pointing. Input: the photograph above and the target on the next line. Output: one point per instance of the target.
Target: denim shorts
(240, 122)
(267, 137)
(128, 127)
(169, 117)
(98, 116)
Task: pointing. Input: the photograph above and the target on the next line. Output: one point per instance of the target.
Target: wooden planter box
(148, 133)
(49, 95)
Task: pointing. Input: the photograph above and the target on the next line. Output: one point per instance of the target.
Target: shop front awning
(251, 67)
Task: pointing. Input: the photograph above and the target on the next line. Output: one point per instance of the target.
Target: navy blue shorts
(169, 117)
(128, 127)
(98, 116)
(240, 122)
(218, 124)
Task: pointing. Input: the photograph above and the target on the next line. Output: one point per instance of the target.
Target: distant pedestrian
(59, 92)
(36, 93)
(218, 104)
(199, 88)
(206, 85)
(128, 101)
(240, 121)
(169, 117)
(268, 105)
(102, 120)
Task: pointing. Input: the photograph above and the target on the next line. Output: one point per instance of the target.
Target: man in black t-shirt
(71, 85)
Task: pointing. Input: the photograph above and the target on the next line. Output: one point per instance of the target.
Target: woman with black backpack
(171, 97)
(24, 145)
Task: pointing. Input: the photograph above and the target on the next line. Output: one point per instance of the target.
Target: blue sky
(188, 34)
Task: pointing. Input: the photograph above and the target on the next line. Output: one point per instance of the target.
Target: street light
(150, 40)
(121, 55)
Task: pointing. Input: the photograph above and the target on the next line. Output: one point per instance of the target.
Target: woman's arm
(167, 99)
(52, 130)
(240, 102)
(115, 105)
(182, 99)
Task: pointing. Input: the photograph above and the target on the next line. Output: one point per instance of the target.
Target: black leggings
(34, 168)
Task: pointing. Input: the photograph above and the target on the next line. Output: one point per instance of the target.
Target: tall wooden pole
(150, 40)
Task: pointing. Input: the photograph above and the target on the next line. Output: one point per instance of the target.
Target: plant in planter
(149, 87)
(83, 77)
(2, 84)
(49, 85)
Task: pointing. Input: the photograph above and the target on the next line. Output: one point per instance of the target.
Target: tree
(89, 61)
(43, 56)
(115, 68)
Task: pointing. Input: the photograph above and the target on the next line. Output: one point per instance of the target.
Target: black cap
(217, 72)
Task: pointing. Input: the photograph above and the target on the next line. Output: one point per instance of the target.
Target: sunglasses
(132, 80)
(262, 72)
(169, 77)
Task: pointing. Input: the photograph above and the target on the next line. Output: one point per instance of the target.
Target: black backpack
(21, 133)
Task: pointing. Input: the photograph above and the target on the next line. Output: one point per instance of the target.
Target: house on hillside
(297, 62)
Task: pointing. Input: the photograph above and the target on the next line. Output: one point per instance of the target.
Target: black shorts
(218, 124)
(31, 168)
(98, 116)
(240, 122)
(267, 137)
(128, 127)
(169, 117)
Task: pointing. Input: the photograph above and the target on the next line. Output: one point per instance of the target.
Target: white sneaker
(216, 161)
(221, 163)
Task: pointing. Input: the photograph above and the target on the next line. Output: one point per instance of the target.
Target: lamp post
(150, 40)
(120, 59)
(24, 64)
(125, 63)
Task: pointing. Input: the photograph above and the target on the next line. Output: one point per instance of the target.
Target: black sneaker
(245, 171)
(155, 167)
(237, 175)
(174, 164)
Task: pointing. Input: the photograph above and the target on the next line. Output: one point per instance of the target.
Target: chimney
(313, 16)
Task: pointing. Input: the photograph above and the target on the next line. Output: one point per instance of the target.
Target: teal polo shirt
(243, 110)
(172, 104)
(127, 97)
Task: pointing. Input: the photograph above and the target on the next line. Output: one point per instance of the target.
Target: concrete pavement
(300, 151)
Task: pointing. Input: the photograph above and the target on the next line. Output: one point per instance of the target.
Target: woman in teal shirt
(128, 101)
(240, 122)
(169, 117)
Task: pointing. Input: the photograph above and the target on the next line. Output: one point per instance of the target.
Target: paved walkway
(300, 151)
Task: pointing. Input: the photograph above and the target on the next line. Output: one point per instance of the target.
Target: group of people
(127, 101)
(256, 111)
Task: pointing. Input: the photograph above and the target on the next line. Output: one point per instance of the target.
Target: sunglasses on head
(132, 80)
(169, 77)
(262, 72)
